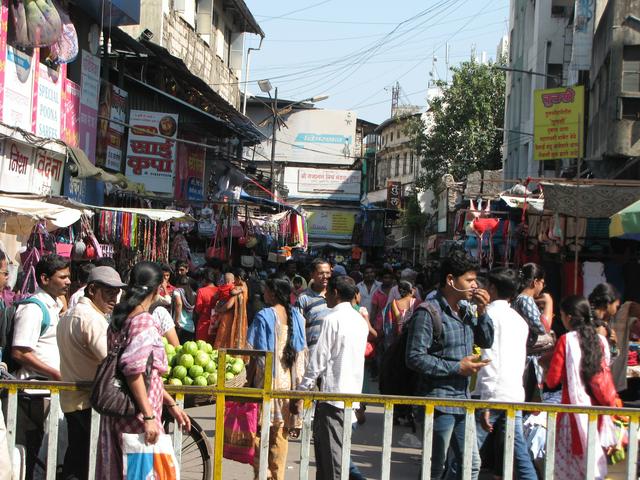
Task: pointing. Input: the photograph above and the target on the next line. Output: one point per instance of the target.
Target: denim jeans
(524, 468)
(448, 436)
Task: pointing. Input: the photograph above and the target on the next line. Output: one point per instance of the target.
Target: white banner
(24, 169)
(312, 136)
(151, 159)
(323, 183)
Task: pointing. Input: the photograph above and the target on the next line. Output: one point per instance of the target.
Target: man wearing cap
(82, 340)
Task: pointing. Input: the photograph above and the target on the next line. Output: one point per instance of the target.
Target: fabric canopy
(19, 214)
(626, 223)
(588, 201)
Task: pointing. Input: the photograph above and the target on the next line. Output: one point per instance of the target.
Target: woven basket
(238, 381)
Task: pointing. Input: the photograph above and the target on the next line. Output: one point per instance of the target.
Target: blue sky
(349, 50)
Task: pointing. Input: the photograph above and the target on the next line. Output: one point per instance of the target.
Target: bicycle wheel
(196, 452)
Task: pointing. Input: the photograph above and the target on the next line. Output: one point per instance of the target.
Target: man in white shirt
(338, 361)
(35, 346)
(501, 380)
(368, 287)
(35, 349)
(82, 338)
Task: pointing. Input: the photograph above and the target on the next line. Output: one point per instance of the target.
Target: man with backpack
(444, 360)
(35, 347)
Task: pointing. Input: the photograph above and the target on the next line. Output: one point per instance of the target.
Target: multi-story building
(540, 56)
(207, 35)
(613, 137)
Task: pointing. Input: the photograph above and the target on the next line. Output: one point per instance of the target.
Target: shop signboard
(319, 183)
(314, 136)
(71, 113)
(190, 171)
(89, 93)
(151, 159)
(4, 18)
(331, 224)
(394, 195)
(25, 169)
(47, 99)
(19, 75)
(113, 104)
(558, 117)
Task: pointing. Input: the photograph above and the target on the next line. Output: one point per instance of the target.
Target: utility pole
(274, 126)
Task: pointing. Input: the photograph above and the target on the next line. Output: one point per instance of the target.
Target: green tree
(464, 135)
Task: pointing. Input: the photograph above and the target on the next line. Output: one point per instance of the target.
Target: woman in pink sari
(143, 341)
(581, 364)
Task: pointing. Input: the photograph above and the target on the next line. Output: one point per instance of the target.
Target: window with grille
(631, 68)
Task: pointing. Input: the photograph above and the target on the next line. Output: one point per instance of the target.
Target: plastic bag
(142, 461)
(240, 429)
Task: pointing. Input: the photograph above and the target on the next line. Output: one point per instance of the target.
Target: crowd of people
(331, 329)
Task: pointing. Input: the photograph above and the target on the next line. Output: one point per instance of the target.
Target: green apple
(179, 372)
(196, 371)
(186, 360)
(200, 381)
(202, 359)
(190, 347)
(210, 367)
(237, 366)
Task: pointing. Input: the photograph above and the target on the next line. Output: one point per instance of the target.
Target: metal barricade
(266, 394)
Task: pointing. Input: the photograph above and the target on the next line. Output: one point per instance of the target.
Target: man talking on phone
(440, 349)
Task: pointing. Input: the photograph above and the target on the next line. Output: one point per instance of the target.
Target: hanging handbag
(216, 249)
(110, 394)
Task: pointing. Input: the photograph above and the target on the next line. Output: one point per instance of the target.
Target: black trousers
(328, 424)
(76, 459)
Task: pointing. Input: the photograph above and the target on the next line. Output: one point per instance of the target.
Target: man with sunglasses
(82, 340)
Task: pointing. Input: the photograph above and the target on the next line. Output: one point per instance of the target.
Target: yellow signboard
(331, 223)
(558, 117)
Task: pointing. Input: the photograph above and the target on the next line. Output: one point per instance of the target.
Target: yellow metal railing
(266, 394)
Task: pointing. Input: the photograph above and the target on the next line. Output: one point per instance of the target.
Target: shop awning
(626, 223)
(18, 215)
(588, 201)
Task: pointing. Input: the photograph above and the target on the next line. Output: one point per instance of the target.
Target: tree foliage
(465, 133)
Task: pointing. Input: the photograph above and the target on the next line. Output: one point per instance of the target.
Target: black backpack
(395, 377)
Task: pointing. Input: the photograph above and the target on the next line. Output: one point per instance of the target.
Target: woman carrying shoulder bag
(279, 328)
(142, 361)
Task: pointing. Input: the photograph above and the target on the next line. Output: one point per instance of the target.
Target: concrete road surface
(366, 451)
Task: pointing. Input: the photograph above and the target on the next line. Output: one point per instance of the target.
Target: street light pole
(273, 139)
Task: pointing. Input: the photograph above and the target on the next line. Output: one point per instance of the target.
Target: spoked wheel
(196, 452)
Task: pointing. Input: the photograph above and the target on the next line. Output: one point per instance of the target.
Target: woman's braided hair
(581, 321)
(281, 289)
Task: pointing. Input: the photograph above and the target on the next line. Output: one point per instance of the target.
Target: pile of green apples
(196, 363)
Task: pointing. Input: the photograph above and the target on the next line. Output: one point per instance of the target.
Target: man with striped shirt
(312, 302)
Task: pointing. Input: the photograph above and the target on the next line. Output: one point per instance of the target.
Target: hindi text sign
(151, 159)
(558, 114)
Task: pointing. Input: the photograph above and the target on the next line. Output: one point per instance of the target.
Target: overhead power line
(284, 15)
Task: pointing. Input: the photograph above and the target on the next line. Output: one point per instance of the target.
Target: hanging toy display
(482, 224)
